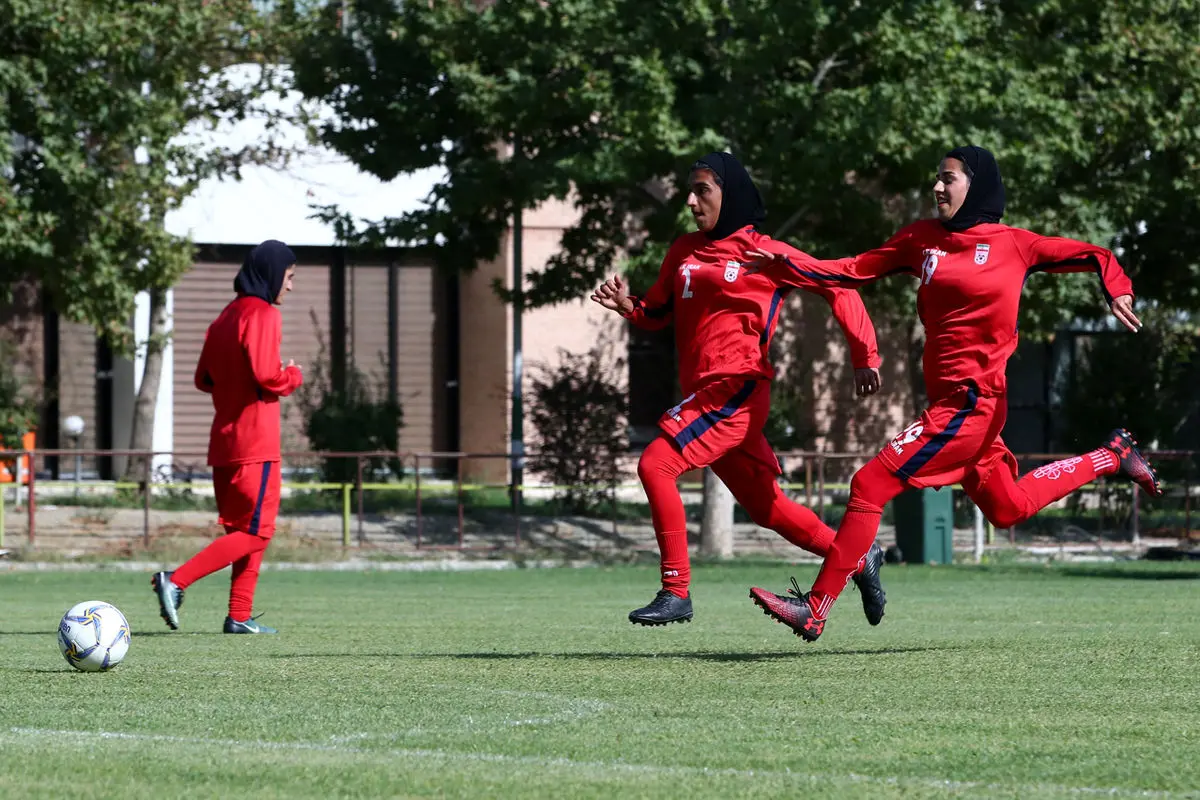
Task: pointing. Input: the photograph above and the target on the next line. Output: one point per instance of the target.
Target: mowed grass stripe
(989, 682)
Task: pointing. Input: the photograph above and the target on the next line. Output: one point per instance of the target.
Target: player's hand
(867, 381)
(613, 294)
(758, 260)
(292, 363)
(1122, 309)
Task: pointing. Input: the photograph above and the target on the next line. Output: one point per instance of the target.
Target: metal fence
(441, 490)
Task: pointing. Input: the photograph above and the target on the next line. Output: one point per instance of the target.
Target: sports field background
(1012, 681)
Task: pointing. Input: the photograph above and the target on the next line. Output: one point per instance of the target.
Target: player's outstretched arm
(856, 325)
(1059, 254)
(788, 266)
(656, 309)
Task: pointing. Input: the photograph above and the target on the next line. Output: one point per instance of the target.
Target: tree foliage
(841, 111)
(1146, 383)
(93, 99)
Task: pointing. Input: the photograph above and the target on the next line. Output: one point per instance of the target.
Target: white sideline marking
(602, 767)
(574, 709)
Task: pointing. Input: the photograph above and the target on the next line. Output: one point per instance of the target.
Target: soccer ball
(93, 636)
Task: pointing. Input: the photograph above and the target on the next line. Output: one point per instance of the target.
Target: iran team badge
(981, 253)
(732, 270)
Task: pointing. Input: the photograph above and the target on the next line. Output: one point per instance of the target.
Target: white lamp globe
(73, 426)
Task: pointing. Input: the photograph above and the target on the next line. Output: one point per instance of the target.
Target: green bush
(579, 412)
(358, 417)
(19, 401)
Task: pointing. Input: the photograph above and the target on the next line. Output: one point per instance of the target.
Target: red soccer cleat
(795, 612)
(1133, 465)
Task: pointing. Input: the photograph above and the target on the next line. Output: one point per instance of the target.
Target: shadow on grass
(701, 655)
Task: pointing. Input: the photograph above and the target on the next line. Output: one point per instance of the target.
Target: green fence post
(346, 514)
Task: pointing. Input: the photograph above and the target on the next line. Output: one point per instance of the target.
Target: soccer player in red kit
(241, 368)
(724, 319)
(971, 270)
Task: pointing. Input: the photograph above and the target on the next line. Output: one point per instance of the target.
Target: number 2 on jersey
(687, 280)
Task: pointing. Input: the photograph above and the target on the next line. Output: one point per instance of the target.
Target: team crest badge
(981, 253)
(732, 270)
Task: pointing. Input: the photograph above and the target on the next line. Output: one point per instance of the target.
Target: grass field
(1009, 682)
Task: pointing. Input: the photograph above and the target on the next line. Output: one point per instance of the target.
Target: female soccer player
(724, 319)
(240, 367)
(971, 270)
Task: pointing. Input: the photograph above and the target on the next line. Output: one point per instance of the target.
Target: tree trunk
(142, 431)
(916, 370)
(716, 527)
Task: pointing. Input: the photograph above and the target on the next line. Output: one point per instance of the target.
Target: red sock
(659, 469)
(800, 526)
(1055, 481)
(871, 489)
(219, 554)
(245, 580)
(1007, 502)
(755, 488)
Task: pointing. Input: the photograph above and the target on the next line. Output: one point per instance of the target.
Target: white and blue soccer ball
(93, 636)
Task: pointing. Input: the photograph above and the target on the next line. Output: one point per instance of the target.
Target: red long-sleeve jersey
(970, 290)
(240, 367)
(724, 316)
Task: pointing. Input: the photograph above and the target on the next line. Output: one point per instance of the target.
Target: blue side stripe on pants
(938, 442)
(262, 492)
(708, 419)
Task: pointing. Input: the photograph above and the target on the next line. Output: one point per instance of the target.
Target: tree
(842, 114)
(1145, 382)
(95, 99)
(841, 111)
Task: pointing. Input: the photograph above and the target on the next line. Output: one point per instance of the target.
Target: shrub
(579, 412)
(355, 418)
(19, 400)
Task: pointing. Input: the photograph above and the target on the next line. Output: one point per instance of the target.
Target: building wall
(486, 341)
(485, 336)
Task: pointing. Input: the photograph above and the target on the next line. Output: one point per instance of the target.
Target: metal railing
(818, 480)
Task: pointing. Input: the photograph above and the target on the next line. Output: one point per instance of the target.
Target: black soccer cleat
(664, 609)
(170, 598)
(251, 625)
(795, 612)
(869, 585)
(1132, 464)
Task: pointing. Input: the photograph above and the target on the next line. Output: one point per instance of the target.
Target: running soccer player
(241, 368)
(971, 270)
(724, 319)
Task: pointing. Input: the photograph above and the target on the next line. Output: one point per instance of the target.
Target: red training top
(725, 316)
(240, 367)
(970, 290)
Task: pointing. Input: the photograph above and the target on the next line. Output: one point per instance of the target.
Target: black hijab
(985, 197)
(741, 204)
(263, 270)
